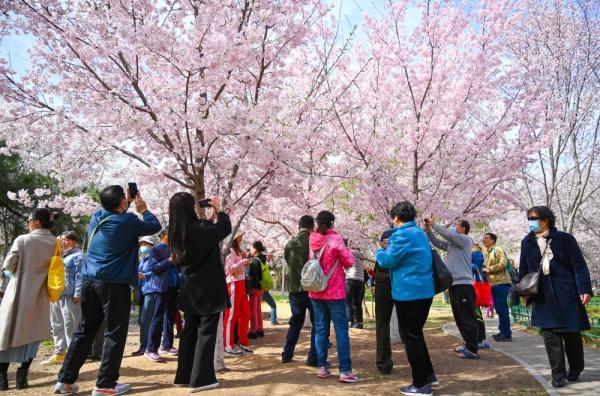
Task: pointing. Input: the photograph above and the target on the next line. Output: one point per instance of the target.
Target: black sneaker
(3, 382)
(252, 336)
(502, 338)
(559, 382)
(384, 371)
(284, 358)
(260, 333)
(312, 364)
(573, 376)
(413, 390)
(139, 352)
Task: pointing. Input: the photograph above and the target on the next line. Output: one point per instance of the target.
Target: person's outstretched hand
(215, 204)
(140, 204)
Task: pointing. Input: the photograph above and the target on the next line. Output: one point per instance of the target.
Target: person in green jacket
(296, 255)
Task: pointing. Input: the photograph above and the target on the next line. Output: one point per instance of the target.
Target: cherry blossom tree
(558, 43)
(193, 94)
(436, 115)
(270, 105)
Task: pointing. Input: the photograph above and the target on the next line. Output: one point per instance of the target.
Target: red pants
(256, 321)
(237, 314)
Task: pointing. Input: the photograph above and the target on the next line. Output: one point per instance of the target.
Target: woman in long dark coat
(194, 245)
(565, 287)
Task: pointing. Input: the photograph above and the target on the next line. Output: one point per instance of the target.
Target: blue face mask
(453, 229)
(145, 250)
(8, 274)
(534, 225)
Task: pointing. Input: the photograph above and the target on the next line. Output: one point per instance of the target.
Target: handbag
(483, 293)
(442, 278)
(530, 284)
(55, 283)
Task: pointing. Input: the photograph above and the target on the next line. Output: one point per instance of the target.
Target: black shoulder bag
(442, 278)
(530, 284)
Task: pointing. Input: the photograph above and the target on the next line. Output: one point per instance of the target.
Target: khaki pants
(65, 316)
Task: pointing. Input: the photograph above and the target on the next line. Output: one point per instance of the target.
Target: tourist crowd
(180, 278)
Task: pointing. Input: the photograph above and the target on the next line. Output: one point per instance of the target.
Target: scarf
(545, 251)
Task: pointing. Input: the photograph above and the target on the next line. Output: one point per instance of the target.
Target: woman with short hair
(255, 290)
(559, 306)
(408, 256)
(25, 308)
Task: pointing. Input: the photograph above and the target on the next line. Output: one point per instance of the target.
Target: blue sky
(14, 49)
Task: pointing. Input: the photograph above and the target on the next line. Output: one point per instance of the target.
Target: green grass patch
(48, 343)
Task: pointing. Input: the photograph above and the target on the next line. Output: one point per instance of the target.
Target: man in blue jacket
(108, 271)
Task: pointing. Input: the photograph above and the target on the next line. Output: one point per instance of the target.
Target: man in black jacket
(383, 314)
(296, 255)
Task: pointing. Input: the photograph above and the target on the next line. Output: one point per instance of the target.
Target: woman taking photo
(408, 256)
(194, 246)
(236, 318)
(25, 308)
(564, 288)
(329, 305)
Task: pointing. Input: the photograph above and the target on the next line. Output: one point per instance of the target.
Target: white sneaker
(244, 349)
(119, 389)
(205, 387)
(229, 351)
(65, 389)
(57, 358)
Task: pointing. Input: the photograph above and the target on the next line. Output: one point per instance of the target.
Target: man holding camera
(456, 241)
(108, 271)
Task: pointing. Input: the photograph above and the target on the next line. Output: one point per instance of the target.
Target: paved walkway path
(528, 350)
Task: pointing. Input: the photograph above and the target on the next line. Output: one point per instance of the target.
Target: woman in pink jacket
(239, 312)
(330, 304)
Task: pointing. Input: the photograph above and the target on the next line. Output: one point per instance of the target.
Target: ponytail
(325, 220)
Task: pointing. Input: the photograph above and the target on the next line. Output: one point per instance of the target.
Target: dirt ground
(264, 374)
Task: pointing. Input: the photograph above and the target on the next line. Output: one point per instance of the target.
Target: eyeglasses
(532, 218)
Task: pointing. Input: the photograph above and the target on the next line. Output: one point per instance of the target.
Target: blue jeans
(268, 298)
(500, 294)
(150, 321)
(299, 303)
(325, 312)
(169, 321)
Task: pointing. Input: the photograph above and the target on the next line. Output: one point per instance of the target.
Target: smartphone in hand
(204, 203)
(133, 190)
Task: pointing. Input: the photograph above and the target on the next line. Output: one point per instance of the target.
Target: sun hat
(148, 239)
(238, 234)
